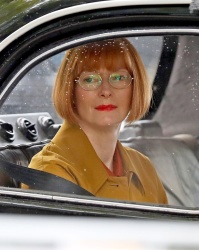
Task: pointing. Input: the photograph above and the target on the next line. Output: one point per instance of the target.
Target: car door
(30, 57)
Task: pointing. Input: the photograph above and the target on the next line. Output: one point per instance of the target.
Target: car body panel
(80, 9)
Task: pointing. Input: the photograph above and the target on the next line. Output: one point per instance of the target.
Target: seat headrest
(144, 128)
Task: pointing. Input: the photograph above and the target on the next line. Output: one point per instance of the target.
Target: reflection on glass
(93, 103)
(167, 134)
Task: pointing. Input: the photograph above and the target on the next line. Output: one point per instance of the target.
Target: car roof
(37, 13)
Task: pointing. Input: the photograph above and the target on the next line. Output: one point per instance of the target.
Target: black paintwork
(33, 12)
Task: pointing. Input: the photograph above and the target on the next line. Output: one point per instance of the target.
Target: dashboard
(27, 128)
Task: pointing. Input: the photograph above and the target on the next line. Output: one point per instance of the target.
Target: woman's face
(106, 105)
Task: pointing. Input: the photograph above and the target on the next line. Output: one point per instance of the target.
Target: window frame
(38, 202)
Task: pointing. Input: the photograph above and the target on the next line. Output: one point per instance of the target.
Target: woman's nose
(105, 90)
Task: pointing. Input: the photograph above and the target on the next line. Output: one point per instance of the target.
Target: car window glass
(168, 134)
(33, 93)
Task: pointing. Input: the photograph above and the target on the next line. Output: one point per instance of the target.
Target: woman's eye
(90, 79)
(118, 77)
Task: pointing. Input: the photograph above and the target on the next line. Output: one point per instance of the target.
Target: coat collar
(79, 153)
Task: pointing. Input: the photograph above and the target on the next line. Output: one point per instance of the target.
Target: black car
(33, 42)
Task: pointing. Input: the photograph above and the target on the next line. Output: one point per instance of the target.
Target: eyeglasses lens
(120, 80)
(92, 81)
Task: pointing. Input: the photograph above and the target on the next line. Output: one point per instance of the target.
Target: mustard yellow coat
(70, 155)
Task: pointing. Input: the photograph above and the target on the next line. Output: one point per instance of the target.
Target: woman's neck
(104, 142)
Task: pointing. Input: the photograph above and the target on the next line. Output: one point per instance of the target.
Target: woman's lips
(106, 107)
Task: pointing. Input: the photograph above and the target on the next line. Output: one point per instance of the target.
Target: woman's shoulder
(136, 160)
(51, 152)
(135, 153)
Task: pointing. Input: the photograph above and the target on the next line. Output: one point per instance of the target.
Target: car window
(167, 135)
(34, 92)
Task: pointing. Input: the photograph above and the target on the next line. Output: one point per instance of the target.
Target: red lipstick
(106, 107)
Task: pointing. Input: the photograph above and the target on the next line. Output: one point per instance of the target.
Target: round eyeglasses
(92, 81)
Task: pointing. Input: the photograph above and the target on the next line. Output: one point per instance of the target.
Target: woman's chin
(109, 124)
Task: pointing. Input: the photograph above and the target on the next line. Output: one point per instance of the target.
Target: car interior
(168, 134)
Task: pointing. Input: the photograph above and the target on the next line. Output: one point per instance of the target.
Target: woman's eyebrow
(88, 71)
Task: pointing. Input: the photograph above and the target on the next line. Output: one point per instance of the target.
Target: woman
(99, 86)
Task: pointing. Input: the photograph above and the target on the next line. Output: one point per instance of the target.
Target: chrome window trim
(82, 8)
(103, 203)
